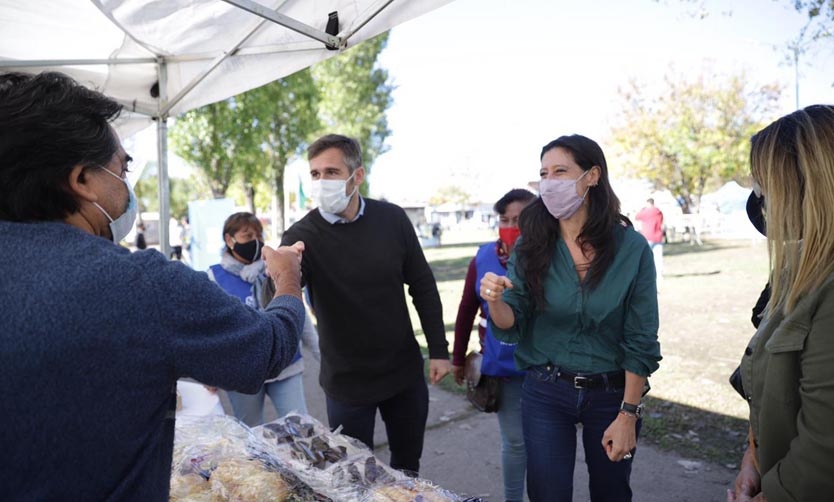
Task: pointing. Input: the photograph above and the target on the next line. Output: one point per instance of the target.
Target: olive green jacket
(788, 375)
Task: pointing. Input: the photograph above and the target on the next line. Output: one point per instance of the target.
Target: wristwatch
(632, 409)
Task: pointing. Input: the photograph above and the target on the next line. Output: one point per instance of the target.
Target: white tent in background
(163, 58)
(727, 209)
(730, 198)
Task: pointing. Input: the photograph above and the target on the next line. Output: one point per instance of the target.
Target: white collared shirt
(335, 218)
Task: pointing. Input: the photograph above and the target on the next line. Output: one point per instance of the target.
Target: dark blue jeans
(405, 416)
(550, 410)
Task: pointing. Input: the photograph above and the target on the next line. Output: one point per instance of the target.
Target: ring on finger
(489, 292)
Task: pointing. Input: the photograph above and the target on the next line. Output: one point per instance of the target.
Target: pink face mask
(560, 197)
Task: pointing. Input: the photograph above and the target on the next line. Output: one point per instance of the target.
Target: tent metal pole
(287, 22)
(29, 63)
(162, 161)
(366, 21)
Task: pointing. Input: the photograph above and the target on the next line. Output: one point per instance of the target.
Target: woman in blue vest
(497, 356)
(239, 272)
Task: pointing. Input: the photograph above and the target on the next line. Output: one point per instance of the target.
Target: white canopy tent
(163, 58)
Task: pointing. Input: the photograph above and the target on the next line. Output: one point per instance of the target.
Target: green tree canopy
(820, 16)
(694, 135)
(214, 138)
(356, 93)
(251, 137)
(181, 192)
(284, 114)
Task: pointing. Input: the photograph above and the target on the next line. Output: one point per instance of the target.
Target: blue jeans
(657, 255)
(287, 395)
(513, 454)
(551, 408)
(404, 415)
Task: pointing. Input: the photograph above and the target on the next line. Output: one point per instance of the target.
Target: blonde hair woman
(788, 367)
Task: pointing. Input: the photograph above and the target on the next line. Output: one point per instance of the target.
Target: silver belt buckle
(579, 382)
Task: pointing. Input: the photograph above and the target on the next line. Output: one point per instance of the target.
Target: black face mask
(755, 212)
(249, 251)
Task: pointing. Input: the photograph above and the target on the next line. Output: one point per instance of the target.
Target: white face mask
(330, 195)
(121, 226)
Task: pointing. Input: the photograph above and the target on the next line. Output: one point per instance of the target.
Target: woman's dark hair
(49, 124)
(540, 230)
(239, 221)
(514, 195)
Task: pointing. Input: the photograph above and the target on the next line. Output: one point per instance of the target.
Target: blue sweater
(92, 341)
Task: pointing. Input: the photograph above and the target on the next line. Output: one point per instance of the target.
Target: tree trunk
(249, 193)
(278, 203)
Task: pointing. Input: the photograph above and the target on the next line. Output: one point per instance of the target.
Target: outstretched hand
(283, 265)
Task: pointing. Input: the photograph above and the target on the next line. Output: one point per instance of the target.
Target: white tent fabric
(163, 58)
(188, 36)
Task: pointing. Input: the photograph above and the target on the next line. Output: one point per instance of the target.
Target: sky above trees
(483, 84)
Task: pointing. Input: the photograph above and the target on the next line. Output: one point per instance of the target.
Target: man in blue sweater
(92, 337)
(359, 253)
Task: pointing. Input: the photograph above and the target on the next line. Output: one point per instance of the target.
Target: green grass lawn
(705, 299)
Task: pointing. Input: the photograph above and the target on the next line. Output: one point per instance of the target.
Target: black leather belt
(613, 380)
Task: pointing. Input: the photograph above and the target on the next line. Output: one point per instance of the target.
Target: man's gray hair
(351, 151)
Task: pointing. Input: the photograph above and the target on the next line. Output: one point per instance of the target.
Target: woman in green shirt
(580, 299)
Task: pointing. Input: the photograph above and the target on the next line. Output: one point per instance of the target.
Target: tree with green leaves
(820, 16)
(694, 135)
(181, 192)
(214, 138)
(284, 114)
(356, 93)
(252, 136)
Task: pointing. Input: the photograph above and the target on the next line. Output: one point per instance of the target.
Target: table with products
(294, 458)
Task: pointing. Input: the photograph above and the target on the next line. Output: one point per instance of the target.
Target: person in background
(359, 255)
(436, 232)
(497, 356)
(787, 370)
(240, 273)
(185, 238)
(580, 299)
(140, 236)
(93, 337)
(175, 239)
(651, 226)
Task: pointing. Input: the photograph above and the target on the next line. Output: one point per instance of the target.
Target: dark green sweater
(355, 273)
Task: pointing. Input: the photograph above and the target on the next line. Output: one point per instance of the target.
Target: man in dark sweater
(93, 337)
(359, 253)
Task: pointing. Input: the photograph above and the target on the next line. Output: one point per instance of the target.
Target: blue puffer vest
(239, 288)
(498, 355)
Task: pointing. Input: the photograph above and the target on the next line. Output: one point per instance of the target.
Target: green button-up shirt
(609, 328)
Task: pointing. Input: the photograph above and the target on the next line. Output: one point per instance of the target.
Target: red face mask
(509, 235)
